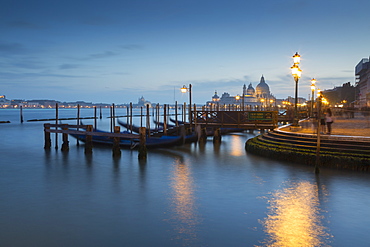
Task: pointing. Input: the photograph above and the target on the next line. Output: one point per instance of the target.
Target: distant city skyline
(118, 51)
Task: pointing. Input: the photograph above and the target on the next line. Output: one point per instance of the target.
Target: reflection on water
(184, 216)
(294, 218)
(237, 146)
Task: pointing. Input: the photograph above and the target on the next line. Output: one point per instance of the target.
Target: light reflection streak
(184, 218)
(237, 146)
(294, 218)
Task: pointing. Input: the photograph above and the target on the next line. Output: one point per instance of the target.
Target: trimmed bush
(282, 151)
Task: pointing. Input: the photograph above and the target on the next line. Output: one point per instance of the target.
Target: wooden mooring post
(148, 119)
(78, 121)
(65, 145)
(95, 118)
(217, 136)
(88, 143)
(131, 124)
(183, 112)
(203, 135)
(165, 119)
(47, 138)
(142, 147)
(56, 124)
(21, 113)
(176, 120)
(116, 150)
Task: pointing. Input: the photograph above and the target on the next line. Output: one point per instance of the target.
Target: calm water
(194, 195)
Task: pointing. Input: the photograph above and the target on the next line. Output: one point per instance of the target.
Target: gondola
(135, 128)
(158, 132)
(178, 121)
(152, 142)
(162, 124)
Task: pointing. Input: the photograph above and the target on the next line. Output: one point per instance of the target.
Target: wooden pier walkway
(201, 123)
(87, 131)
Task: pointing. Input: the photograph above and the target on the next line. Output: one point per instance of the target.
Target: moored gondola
(152, 142)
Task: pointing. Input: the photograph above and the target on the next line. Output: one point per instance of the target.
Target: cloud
(349, 71)
(69, 66)
(132, 47)
(29, 76)
(23, 63)
(102, 55)
(11, 48)
(23, 25)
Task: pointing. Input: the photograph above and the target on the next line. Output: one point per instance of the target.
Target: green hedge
(281, 151)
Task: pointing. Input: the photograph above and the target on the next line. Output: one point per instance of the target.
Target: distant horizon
(117, 103)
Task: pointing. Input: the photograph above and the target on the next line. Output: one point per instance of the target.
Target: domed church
(250, 96)
(262, 89)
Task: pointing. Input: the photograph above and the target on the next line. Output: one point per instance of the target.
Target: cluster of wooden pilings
(199, 121)
(87, 131)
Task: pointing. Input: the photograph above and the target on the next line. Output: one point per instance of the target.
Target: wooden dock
(87, 130)
(202, 123)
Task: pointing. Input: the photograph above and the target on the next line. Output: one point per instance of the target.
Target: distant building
(362, 72)
(344, 95)
(142, 102)
(4, 103)
(40, 103)
(260, 96)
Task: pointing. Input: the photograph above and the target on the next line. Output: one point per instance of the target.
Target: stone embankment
(348, 147)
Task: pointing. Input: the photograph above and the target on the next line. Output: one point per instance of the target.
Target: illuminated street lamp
(262, 103)
(185, 89)
(237, 97)
(313, 86)
(271, 102)
(296, 72)
(296, 58)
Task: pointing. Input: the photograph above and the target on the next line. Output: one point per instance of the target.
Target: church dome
(215, 97)
(262, 88)
(250, 90)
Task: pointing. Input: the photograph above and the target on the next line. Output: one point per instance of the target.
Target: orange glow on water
(237, 146)
(184, 216)
(294, 218)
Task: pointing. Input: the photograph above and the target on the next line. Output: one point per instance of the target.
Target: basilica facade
(260, 96)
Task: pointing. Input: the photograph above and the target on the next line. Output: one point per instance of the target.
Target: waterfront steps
(308, 142)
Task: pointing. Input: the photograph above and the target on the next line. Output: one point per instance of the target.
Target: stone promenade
(357, 126)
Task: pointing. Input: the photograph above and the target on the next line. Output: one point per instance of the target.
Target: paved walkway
(358, 126)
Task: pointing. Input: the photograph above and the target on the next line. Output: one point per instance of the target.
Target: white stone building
(261, 96)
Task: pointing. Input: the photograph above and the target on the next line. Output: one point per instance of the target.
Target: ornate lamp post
(185, 89)
(237, 98)
(318, 134)
(296, 72)
(243, 101)
(313, 86)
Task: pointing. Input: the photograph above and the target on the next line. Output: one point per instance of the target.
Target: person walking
(322, 122)
(328, 120)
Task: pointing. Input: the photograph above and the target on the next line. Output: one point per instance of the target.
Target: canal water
(193, 195)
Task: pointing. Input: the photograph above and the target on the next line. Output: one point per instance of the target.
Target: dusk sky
(117, 51)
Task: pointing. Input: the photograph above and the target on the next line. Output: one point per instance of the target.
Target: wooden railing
(237, 119)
